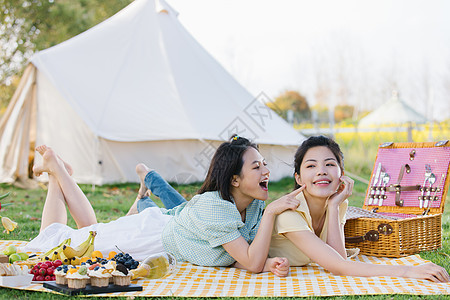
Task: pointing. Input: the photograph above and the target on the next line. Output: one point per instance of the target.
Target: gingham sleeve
(218, 220)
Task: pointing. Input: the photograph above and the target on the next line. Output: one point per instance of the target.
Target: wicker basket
(409, 218)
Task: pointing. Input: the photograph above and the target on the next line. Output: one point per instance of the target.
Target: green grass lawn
(113, 201)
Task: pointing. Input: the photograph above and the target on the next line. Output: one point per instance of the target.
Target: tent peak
(395, 94)
(162, 7)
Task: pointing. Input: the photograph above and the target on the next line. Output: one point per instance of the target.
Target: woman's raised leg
(79, 206)
(152, 182)
(54, 210)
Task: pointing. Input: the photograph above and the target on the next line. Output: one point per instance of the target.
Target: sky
(370, 47)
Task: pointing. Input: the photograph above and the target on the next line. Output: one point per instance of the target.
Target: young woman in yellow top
(314, 232)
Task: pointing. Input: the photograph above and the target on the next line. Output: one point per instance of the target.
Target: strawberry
(57, 263)
(50, 271)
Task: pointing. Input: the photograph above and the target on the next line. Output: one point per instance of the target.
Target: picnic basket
(404, 201)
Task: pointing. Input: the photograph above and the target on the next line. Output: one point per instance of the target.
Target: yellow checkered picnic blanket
(192, 281)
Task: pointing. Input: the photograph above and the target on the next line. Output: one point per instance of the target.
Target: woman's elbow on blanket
(256, 269)
(251, 268)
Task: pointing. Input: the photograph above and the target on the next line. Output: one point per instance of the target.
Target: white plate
(13, 281)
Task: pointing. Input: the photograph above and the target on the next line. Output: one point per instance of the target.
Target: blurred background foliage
(28, 26)
(292, 106)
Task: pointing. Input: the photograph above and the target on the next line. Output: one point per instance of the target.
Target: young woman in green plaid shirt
(226, 224)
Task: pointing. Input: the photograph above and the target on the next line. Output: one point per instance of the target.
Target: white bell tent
(393, 112)
(135, 88)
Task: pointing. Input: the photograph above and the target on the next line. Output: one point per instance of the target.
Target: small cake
(110, 267)
(60, 274)
(121, 276)
(99, 276)
(77, 279)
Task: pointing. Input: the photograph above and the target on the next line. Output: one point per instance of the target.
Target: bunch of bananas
(71, 255)
(54, 253)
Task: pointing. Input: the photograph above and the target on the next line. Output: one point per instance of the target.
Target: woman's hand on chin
(343, 192)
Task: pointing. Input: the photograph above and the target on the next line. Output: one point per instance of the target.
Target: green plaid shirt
(202, 225)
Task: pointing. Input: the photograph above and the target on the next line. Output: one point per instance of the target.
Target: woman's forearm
(259, 248)
(335, 236)
(253, 257)
(355, 268)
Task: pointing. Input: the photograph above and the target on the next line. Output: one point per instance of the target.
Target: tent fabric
(135, 88)
(17, 129)
(394, 111)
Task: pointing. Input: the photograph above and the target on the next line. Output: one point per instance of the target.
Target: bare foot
(50, 162)
(142, 171)
(37, 169)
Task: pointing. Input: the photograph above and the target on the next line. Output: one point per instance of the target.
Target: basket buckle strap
(385, 229)
(397, 188)
(371, 235)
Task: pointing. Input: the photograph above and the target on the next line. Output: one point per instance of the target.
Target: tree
(343, 112)
(28, 26)
(294, 101)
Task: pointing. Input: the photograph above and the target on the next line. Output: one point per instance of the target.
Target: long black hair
(226, 162)
(316, 141)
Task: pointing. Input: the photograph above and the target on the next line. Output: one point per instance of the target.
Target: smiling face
(320, 172)
(253, 181)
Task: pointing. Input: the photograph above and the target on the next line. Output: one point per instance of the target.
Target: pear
(23, 255)
(14, 257)
(11, 249)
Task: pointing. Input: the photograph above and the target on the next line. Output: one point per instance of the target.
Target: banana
(79, 250)
(76, 260)
(70, 252)
(89, 250)
(49, 254)
(45, 258)
(55, 255)
(63, 258)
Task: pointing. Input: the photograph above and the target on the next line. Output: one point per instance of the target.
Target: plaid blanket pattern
(193, 281)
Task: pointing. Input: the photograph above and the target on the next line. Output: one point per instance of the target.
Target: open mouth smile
(264, 184)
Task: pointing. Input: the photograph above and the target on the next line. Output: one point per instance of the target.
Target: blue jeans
(160, 188)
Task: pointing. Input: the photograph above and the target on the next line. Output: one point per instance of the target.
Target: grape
(125, 259)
